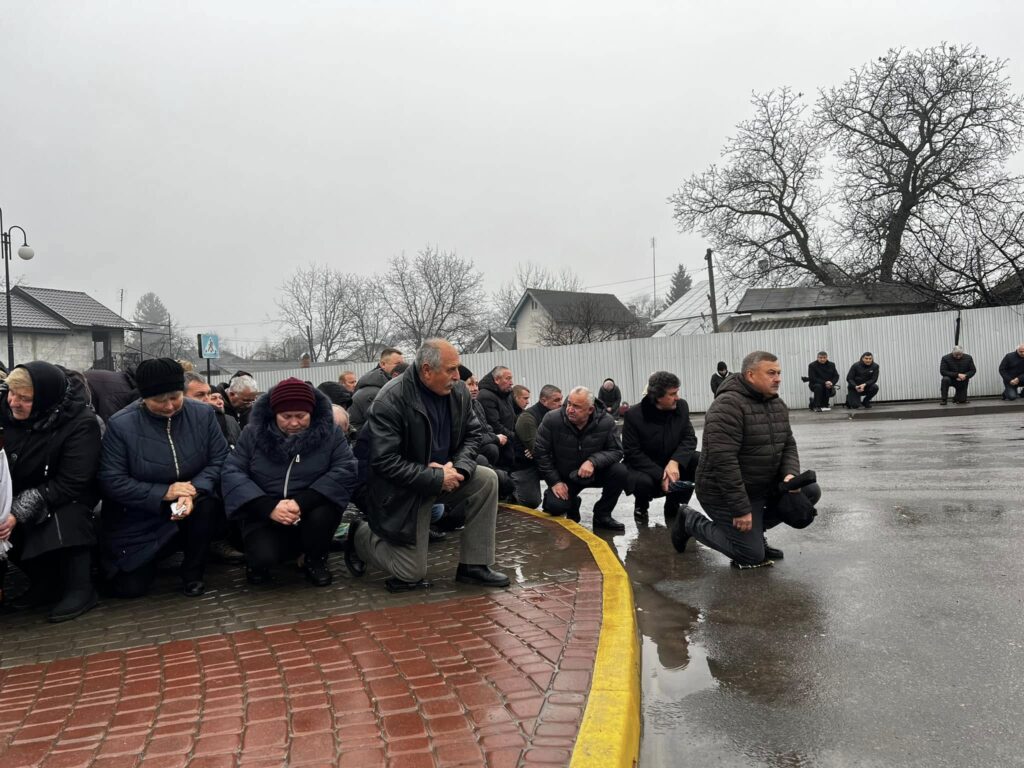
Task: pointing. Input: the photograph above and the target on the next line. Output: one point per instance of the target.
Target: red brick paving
(500, 679)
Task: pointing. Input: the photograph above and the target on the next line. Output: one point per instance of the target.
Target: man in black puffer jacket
(370, 385)
(748, 450)
(956, 370)
(822, 378)
(862, 380)
(496, 398)
(577, 448)
(660, 447)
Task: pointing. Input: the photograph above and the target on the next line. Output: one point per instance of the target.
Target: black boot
(79, 595)
(640, 509)
(671, 509)
(43, 584)
(771, 553)
(317, 572)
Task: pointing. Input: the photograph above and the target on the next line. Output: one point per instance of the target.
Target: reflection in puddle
(673, 683)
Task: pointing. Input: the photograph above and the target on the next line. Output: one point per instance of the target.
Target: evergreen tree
(681, 283)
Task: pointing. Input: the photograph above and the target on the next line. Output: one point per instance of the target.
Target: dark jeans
(821, 395)
(746, 547)
(527, 486)
(959, 387)
(645, 487)
(268, 542)
(192, 538)
(612, 481)
(855, 399)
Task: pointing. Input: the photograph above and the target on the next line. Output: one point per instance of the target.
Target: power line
(621, 282)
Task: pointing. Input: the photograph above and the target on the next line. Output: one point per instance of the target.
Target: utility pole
(654, 273)
(121, 312)
(711, 291)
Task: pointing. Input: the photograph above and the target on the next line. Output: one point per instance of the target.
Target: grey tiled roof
(26, 315)
(77, 308)
(563, 306)
(822, 297)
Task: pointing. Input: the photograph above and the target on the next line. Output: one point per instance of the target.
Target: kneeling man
(748, 450)
(423, 441)
(577, 448)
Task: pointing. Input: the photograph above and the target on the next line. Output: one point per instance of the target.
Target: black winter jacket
(111, 391)
(950, 367)
(56, 452)
(651, 437)
(487, 436)
(818, 373)
(560, 448)
(266, 466)
(1012, 367)
(748, 447)
(501, 416)
(367, 389)
(862, 374)
(337, 393)
(142, 455)
(610, 398)
(399, 480)
(716, 381)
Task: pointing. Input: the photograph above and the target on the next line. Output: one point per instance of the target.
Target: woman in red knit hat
(288, 481)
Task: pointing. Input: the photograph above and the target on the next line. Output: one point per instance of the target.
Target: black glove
(798, 481)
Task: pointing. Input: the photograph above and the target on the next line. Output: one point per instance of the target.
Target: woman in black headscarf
(52, 441)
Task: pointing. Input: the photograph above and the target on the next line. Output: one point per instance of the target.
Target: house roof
(49, 309)
(691, 313)
(506, 340)
(562, 306)
(75, 308)
(825, 297)
(779, 323)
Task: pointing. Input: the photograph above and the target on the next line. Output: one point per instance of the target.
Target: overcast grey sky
(202, 150)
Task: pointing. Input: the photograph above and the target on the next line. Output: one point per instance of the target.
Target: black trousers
(612, 481)
(822, 395)
(268, 542)
(192, 538)
(745, 547)
(855, 399)
(645, 487)
(960, 387)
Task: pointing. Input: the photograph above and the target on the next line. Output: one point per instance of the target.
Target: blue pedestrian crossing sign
(209, 346)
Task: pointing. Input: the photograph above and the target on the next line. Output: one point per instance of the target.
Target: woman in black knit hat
(52, 440)
(159, 475)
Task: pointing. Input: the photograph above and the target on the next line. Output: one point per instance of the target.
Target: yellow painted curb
(609, 736)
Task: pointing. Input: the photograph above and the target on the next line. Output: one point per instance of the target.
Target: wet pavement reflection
(892, 634)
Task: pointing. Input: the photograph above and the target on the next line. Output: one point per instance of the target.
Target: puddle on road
(672, 683)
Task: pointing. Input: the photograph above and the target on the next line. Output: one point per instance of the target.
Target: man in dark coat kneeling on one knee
(424, 438)
(748, 450)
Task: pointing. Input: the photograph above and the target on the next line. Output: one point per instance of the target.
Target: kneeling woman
(159, 473)
(288, 481)
(52, 441)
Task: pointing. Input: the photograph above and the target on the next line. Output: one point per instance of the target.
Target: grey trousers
(409, 563)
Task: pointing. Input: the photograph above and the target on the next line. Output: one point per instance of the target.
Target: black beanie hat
(464, 373)
(48, 385)
(158, 376)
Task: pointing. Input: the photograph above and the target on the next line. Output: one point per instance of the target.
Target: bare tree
(912, 128)
(312, 305)
(528, 275)
(762, 210)
(434, 293)
(370, 318)
(585, 320)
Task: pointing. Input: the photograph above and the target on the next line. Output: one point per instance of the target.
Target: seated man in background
(862, 380)
(577, 447)
(956, 370)
(660, 447)
(822, 378)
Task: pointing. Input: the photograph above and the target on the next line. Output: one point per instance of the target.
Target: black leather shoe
(678, 532)
(257, 576)
(483, 575)
(640, 514)
(317, 573)
(193, 588)
(609, 524)
(73, 605)
(436, 535)
(397, 585)
(671, 509)
(771, 553)
(353, 562)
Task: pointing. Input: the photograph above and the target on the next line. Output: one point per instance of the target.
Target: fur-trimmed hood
(280, 447)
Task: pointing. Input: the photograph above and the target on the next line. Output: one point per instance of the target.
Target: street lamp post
(24, 252)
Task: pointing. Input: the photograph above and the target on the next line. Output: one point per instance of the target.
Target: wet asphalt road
(892, 634)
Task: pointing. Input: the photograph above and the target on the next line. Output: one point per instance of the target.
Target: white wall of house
(72, 350)
(529, 324)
